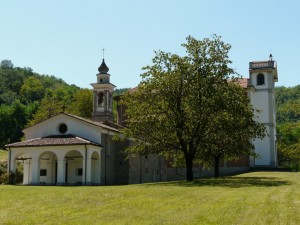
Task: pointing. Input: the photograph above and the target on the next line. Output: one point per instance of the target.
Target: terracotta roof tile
(243, 82)
(53, 140)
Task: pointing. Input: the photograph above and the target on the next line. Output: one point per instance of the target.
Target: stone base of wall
(180, 173)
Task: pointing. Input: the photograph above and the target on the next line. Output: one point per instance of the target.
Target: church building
(69, 150)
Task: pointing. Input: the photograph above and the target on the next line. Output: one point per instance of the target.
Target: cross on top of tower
(103, 69)
(103, 49)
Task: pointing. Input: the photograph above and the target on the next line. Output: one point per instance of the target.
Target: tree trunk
(217, 160)
(189, 168)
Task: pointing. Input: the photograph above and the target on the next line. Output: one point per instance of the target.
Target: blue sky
(65, 37)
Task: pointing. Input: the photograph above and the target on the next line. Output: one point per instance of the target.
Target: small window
(63, 128)
(260, 79)
(43, 172)
(146, 170)
(79, 172)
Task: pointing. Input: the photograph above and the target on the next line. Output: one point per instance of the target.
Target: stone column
(61, 171)
(26, 171)
(12, 164)
(84, 169)
(88, 168)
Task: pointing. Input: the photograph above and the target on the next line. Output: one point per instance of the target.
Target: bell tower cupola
(102, 95)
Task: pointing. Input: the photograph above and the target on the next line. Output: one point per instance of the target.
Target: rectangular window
(43, 172)
(79, 172)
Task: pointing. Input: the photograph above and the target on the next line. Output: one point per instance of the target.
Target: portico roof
(53, 140)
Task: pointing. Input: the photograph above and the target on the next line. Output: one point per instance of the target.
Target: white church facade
(69, 150)
(261, 91)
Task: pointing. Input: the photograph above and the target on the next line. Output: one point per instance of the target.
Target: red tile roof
(243, 82)
(53, 140)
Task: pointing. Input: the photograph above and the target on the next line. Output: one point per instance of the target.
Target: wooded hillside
(288, 126)
(27, 97)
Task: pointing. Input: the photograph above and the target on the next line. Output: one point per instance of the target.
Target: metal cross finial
(63, 108)
(103, 52)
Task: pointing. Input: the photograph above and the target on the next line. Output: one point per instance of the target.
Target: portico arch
(48, 168)
(22, 161)
(95, 168)
(74, 168)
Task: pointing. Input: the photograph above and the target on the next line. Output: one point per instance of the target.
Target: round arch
(74, 170)
(95, 168)
(48, 167)
(21, 163)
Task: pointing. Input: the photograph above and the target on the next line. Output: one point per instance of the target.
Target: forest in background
(288, 126)
(27, 97)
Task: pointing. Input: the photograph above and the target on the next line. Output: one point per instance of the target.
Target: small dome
(103, 69)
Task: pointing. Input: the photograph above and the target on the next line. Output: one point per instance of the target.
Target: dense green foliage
(11, 178)
(288, 126)
(22, 96)
(185, 105)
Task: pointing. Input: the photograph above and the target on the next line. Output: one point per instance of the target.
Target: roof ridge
(99, 124)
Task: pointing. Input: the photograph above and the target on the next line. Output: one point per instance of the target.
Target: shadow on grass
(231, 182)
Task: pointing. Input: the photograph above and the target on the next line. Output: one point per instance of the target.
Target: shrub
(10, 178)
(3, 167)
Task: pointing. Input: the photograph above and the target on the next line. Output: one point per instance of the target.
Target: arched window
(100, 98)
(260, 79)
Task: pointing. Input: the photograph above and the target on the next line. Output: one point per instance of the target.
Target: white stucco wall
(75, 127)
(260, 101)
(263, 99)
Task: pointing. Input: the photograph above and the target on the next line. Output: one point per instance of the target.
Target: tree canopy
(180, 104)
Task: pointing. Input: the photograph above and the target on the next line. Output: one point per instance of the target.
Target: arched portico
(74, 168)
(48, 168)
(25, 160)
(63, 164)
(94, 167)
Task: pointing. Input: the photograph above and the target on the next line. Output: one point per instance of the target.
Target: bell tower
(102, 95)
(263, 75)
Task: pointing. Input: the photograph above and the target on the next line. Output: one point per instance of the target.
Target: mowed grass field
(250, 198)
(3, 155)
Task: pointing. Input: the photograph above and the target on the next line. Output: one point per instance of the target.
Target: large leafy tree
(172, 112)
(231, 129)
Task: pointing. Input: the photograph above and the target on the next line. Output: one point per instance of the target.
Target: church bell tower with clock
(102, 95)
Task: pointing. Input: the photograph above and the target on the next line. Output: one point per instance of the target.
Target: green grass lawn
(3, 155)
(251, 198)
